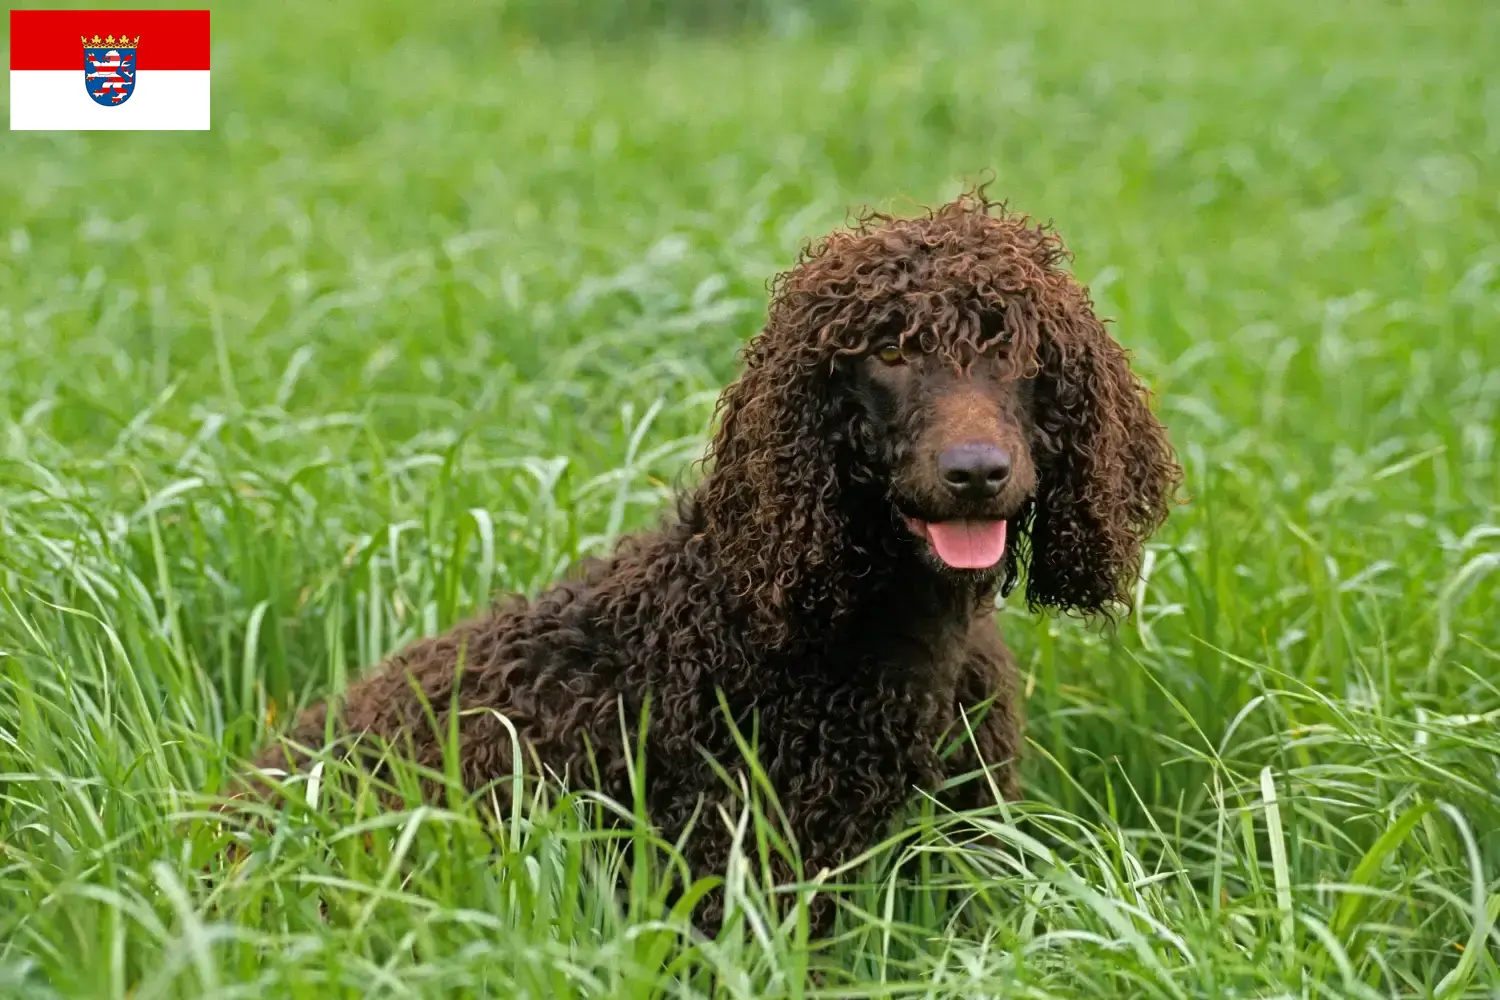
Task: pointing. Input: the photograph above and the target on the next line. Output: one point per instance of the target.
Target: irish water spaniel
(931, 411)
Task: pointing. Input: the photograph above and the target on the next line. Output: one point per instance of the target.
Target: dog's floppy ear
(771, 503)
(1108, 473)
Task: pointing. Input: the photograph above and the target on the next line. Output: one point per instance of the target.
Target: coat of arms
(109, 68)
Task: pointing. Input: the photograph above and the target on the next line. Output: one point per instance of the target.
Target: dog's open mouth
(963, 543)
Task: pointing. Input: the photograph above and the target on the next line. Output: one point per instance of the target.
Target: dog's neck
(873, 580)
(912, 590)
(890, 592)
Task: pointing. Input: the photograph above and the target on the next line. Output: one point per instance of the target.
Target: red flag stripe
(48, 39)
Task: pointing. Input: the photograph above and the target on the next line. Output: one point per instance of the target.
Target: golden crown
(109, 41)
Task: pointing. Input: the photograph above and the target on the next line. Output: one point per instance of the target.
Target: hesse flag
(108, 69)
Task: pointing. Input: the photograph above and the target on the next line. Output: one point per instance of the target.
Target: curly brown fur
(811, 579)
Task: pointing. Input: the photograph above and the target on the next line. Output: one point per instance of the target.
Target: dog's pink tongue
(967, 544)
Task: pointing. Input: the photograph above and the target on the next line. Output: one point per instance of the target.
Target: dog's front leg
(988, 723)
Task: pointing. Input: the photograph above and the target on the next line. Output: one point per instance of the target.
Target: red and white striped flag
(109, 69)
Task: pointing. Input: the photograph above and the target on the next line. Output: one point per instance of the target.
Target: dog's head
(935, 395)
(949, 432)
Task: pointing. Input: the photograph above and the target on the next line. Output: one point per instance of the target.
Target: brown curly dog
(931, 409)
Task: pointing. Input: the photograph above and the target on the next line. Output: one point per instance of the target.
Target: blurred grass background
(443, 302)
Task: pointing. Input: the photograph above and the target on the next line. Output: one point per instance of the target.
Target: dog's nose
(974, 471)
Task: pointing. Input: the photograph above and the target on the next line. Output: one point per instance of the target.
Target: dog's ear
(1108, 473)
(771, 503)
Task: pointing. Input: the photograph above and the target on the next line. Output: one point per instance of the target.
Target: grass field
(443, 301)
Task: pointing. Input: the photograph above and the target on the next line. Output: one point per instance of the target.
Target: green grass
(443, 302)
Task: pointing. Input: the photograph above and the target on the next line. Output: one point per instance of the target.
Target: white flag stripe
(171, 99)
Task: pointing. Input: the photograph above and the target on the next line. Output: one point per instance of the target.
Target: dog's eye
(890, 354)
